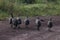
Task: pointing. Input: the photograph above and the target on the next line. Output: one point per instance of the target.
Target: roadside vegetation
(29, 8)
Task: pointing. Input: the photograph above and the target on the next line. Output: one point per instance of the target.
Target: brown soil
(7, 33)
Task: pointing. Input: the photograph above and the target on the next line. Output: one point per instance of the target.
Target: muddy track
(7, 33)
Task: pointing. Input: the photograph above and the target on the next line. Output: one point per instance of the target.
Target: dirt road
(7, 33)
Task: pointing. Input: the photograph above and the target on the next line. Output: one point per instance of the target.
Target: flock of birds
(16, 22)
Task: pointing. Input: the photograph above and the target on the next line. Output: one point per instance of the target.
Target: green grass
(38, 9)
(3, 15)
